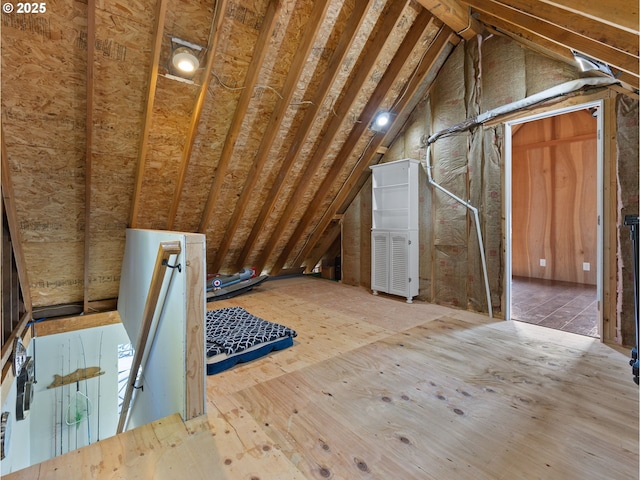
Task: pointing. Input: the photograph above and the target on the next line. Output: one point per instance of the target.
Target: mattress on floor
(234, 335)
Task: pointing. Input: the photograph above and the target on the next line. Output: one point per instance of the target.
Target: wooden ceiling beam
(381, 91)
(443, 38)
(214, 38)
(541, 44)
(371, 51)
(455, 15)
(618, 13)
(259, 53)
(310, 32)
(529, 39)
(158, 33)
(583, 25)
(572, 41)
(310, 117)
(91, 41)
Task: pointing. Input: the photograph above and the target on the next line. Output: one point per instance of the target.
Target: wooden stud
(91, 41)
(195, 326)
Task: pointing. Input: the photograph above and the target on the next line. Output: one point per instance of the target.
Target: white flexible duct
(557, 91)
(476, 221)
(553, 92)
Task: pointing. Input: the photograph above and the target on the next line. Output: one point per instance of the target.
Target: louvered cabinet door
(399, 263)
(379, 261)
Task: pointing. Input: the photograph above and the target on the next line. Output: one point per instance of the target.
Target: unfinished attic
(455, 291)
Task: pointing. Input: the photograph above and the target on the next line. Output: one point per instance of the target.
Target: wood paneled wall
(554, 198)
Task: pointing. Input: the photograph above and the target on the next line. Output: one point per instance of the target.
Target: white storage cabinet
(394, 233)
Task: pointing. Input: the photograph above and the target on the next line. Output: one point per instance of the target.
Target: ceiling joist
(454, 14)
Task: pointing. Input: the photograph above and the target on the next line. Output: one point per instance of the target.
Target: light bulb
(184, 60)
(382, 119)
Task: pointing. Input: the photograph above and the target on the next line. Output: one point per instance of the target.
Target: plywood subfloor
(376, 388)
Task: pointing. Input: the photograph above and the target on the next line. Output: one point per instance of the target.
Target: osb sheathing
(627, 142)
(479, 76)
(121, 68)
(170, 119)
(46, 126)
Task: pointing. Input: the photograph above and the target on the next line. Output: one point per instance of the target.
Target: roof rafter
(372, 50)
(595, 29)
(91, 41)
(158, 32)
(262, 44)
(8, 198)
(381, 91)
(214, 38)
(271, 131)
(618, 13)
(333, 68)
(560, 35)
(444, 36)
(539, 43)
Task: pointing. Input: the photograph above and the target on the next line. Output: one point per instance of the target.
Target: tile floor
(565, 306)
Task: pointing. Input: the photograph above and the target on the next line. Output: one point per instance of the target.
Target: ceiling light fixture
(184, 59)
(381, 121)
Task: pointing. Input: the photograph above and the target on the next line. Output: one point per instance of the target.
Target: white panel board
(163, 381)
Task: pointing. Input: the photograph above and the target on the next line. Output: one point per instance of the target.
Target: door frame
(508, 198)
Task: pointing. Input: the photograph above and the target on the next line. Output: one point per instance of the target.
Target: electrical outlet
(586, 266)
(543, 262)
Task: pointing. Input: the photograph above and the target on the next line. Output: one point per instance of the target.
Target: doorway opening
(553, 203)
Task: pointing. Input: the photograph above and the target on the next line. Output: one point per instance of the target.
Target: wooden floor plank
(374, 388)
